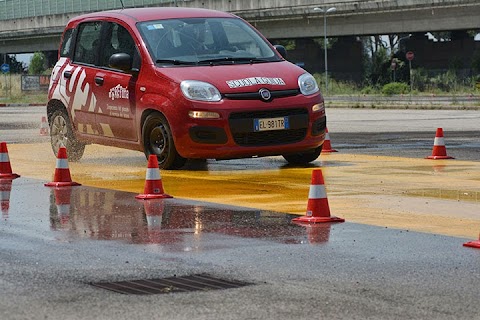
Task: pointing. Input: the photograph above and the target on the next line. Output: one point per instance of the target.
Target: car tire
(303, 158)
(158, 140)
(61, 133)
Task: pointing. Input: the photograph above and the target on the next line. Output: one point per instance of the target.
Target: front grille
(242, 127)
(268, 113)
(256, 95)
(268, 138)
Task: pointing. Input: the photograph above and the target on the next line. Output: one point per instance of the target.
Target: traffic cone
(473, 244)
(62, 201)
(5, 167)
(5, 189)
(153, 182)
(62, 176)
(439, 150)
(44, 127)
(317, 208)
(327, 147)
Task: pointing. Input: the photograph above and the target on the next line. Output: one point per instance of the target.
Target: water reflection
(115, 215)
(5, 189)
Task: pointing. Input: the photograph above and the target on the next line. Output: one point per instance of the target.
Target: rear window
(65, 49)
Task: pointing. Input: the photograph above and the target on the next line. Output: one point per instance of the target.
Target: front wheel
(303, 157)
(158, 140)
(61, 134)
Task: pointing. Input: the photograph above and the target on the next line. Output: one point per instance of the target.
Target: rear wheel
(303, 157)
(61, 134)
(158, 140)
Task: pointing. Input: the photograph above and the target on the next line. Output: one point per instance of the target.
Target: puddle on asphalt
(175, 224)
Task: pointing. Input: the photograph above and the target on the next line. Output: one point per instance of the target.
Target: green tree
(37, 63)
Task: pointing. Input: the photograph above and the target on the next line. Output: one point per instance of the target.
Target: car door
(115, 115)
(80, 76)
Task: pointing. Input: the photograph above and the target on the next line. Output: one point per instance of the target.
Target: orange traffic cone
(153, 181)
(44, 127)
(5, 189)
(317, 208)
(473, 244)
(327, 147)
(439, 150)
(5, 167)
(62, 176)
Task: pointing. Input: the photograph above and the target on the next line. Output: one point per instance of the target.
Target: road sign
(409, 55)
(5, 68)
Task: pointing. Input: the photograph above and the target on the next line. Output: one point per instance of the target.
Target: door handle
(99, 81)
(67, 74)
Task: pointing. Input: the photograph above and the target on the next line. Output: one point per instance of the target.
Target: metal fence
(14, 9)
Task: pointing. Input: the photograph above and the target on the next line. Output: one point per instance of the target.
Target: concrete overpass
(24, 28)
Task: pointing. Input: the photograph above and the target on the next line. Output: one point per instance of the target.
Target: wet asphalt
(55, 242)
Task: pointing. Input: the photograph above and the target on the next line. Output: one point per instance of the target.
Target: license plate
(268, 124)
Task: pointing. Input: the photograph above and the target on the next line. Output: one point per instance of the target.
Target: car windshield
(208, 41)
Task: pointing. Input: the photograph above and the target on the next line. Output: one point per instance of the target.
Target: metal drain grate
(199, 282)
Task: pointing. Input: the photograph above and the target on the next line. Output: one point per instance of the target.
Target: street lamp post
(325, 11)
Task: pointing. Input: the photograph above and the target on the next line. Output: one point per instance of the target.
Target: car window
(88, 43)
(117, 40)
(66, 43)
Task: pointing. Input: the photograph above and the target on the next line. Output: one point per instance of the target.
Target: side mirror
(281, 50)
(121, 61)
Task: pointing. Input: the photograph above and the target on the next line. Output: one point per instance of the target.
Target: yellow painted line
(437, 196)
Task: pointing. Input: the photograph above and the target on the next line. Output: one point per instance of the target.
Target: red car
(182, 84)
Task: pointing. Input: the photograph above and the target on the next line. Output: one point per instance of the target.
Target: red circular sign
(409, 55)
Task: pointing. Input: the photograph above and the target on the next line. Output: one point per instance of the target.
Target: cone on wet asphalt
(439, 150)
(318, 210)
(62, 177)
(5, 167)
(327, 146)
(473, 244)
(44, 127)
(153, 181)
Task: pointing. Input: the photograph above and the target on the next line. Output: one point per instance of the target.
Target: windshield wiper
(233, 60)
(176, 62)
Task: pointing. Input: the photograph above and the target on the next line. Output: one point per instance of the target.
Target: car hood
(239, 78)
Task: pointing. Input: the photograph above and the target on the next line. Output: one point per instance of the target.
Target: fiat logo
(265, 94)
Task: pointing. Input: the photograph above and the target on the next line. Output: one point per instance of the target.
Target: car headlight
(307, 84)
(199, 90)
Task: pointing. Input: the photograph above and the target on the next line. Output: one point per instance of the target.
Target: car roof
(134, 15)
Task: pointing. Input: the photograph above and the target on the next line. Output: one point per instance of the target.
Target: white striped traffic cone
(5, 167)
(317, 208)
(62, 176)
(44, 127)
(439, 150)
(153, 181)
(327, 146)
